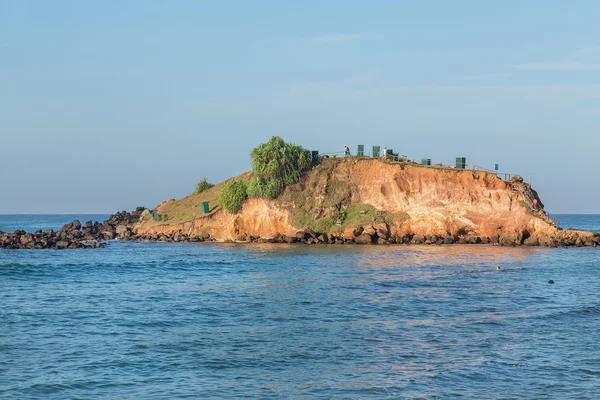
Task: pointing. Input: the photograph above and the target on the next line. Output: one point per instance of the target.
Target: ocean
(208, 320)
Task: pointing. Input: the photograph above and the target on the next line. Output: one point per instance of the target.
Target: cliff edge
(366, 200)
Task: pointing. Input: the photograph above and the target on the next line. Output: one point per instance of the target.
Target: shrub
(232, 195)
(275, 165)
(203, 186)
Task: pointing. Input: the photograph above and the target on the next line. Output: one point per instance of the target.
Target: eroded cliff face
(390, 201)
(437, 201)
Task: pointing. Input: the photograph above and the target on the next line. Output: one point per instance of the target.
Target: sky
(105, 106)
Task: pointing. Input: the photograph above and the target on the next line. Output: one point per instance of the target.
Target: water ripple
(174, 320)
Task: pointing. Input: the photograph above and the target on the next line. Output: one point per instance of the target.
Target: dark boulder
(323, 238)
(509, 241)
(312, 233)
(290, 239)
(364, 238)
(62, 244)
(418, 239)
(382, 230)
(547, 241)
(531, 241)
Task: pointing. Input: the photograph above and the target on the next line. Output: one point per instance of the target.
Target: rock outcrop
(76, 235)
(369, 201)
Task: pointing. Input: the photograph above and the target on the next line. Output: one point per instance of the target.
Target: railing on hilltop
(367, 154)
(502, 175)
(404, 159)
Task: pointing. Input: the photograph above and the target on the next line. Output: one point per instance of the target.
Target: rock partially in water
(75, 235)
(364, 238)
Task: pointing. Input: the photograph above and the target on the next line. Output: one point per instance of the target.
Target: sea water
(206, 320)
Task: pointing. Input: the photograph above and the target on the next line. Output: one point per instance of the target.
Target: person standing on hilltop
(347, 151)
(384, 152)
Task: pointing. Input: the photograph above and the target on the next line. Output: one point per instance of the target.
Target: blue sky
(109, 105)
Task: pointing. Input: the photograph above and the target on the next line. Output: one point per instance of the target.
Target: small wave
(471, 271)
(584, 311)
(488, 322)
(13, 265)
(581, 312)
(593, 310)
(590, 372)
(373, 339)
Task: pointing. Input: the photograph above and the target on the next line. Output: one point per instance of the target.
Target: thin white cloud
(335, 38)
(559, 66)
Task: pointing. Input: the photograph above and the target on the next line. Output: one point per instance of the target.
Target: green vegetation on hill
(324, 204)
(232, 195)
(203, 186)
(354, 215)
(275, 165)
(190, 207)
(319, 201)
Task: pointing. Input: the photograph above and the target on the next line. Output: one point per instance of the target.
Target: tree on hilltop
(276, 164)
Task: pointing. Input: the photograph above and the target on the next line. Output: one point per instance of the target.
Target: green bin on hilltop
(205, 208)
(360, 152)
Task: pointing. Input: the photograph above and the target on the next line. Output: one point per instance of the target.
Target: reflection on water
(396, 255)
(169, 320)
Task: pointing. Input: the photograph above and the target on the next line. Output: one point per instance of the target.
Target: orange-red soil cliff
(369, 200)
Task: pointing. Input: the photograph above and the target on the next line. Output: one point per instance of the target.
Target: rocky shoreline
(371, 236)
(122, 226)
(75, 235)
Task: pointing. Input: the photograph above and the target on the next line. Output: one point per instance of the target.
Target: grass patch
(355, 215)
(323, 224)
(190, 207)
(364, 214)
(525, 205)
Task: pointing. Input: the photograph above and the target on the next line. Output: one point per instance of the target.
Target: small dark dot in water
(498, 268)
(551, 282)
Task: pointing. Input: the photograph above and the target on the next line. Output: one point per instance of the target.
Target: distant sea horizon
(34, 221)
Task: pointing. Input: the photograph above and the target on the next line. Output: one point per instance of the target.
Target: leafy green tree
(276, 164)
(232, 195)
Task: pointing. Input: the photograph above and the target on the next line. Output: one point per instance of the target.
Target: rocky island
(349, 200)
